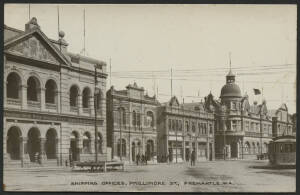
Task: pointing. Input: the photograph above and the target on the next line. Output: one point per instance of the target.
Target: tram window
(281, 148)
(288, 148)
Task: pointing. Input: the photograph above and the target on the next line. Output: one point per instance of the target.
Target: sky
(142, 43)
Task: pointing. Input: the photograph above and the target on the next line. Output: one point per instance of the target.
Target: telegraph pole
(120, 134)
(171, 82)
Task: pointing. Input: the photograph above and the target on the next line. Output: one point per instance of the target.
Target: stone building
(131, 123)
(183, 128)
(241, 130)
(49, 100)
(282, 121)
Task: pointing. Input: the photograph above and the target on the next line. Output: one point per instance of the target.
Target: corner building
(243, 130)
(49, 98)
(131, 123)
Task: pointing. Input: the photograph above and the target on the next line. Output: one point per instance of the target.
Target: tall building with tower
(50, 98)
(242, 130)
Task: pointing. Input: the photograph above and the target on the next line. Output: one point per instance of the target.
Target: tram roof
(285, 138)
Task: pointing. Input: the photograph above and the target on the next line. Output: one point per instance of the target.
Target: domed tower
(230, 92)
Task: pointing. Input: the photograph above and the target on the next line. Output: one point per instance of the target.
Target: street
(213, 176)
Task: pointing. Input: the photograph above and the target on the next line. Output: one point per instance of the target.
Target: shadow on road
(273, 167)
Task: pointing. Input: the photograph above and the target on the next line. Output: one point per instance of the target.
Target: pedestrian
(146, 159)
(137, 158)
(143, 159)
(193, 158)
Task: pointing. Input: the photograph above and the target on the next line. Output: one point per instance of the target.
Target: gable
(34, 47)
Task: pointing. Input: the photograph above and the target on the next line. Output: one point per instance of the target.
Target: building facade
(241, 130)
(131, 123)
(183, 128)
(49, 100)
(282, 121)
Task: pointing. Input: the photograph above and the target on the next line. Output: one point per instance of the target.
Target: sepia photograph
(149, 97)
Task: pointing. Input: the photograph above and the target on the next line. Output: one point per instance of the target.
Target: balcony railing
(33, 104)
(12, 101)
(51, 106)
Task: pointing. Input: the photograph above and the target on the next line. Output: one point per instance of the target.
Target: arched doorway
(150, 149)
(13, 143)
(74, 150)
(34, 144)
(133, 151)
(51, 144)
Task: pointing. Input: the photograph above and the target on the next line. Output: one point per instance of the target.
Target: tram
(282, 151)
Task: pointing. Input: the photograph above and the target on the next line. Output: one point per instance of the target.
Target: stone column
(183, 142)
(24, 96)
(58, 101)
(23, 155)
(80, 110)
(207, 150)
(21, 151)
(57, 151)
(42, 150)
(92, 105)
(4, 92)
(43, 100)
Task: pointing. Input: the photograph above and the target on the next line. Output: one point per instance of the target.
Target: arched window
(205, 128)
(86, 143)
(173, 125)
(180, 125)
(86, 94)
(33, 87)
(13, 89)
(187, 127)
(150, 119)
(138, 119)
(50, 93)
(193, 127)
(134, 118)
(98, 99)
(170, 124)
(74, 92)
(247, 148)
(122, 115)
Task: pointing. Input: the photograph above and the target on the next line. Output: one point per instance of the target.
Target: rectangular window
(210, 129)
(234, 125)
